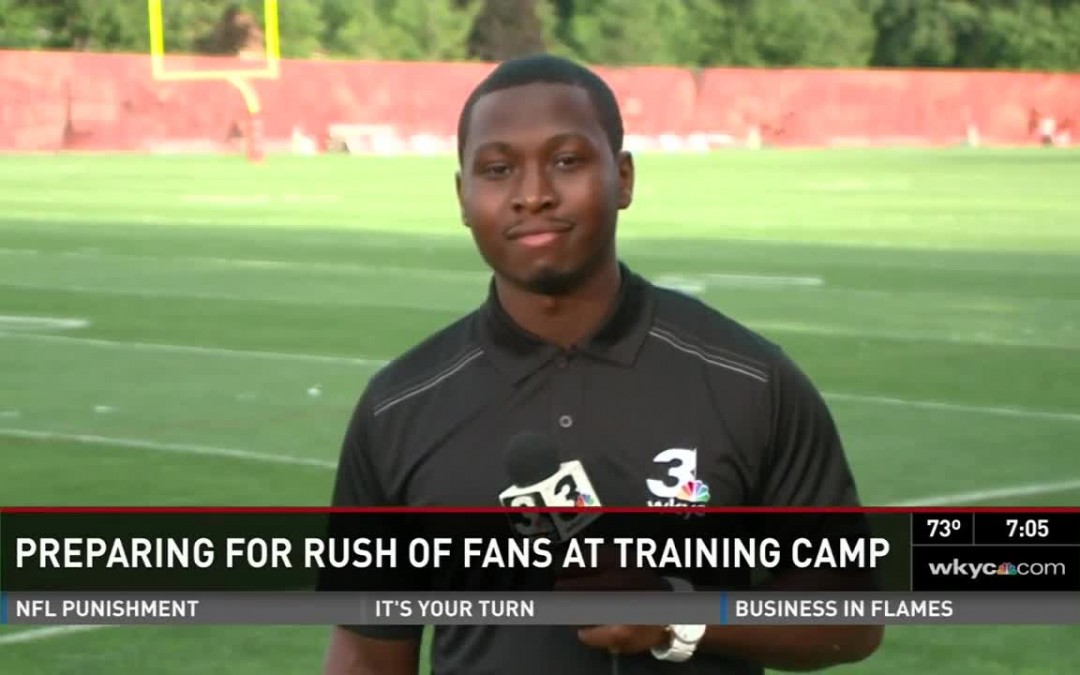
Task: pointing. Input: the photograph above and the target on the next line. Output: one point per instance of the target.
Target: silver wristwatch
(684, 638)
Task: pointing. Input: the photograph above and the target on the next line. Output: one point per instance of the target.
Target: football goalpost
(240, 78)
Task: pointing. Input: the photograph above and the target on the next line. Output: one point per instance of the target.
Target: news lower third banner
(539, 566)
(547, 609)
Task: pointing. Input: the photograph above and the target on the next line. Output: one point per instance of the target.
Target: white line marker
(696, 283)
(978, 496)
(761, 280)
(958, 338)
(191, 349)
(20, 322)
(181, 448)
(358, 301)
(1000, 411)
(35, 634)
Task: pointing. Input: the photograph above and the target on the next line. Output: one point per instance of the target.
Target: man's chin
(552, 282)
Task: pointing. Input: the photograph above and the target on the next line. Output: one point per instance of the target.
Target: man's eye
(567, 161)
(495, 170)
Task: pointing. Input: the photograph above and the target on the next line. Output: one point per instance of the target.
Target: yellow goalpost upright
(240, 78)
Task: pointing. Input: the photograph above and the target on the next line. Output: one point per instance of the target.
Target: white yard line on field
(999, 411)
(181, 448)
(29, 323)
(1007, 492)
(192, 349)
(35, 634)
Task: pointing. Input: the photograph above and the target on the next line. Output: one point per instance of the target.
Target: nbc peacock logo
(1007, 569)
(693, 491)
(584, 499)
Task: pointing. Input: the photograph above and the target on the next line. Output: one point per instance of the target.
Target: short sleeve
(805, 463)
(357, 484)
(806, 466)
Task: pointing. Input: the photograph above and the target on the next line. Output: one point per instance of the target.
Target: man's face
(540, 187)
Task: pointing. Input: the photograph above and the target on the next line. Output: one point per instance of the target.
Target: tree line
(1010, 34)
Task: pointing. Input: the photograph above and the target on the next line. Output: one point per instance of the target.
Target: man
(652, 390)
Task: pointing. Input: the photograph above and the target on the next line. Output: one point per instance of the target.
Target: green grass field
(194, 331)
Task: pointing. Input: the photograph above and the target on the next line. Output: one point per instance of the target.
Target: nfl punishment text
(362, 552)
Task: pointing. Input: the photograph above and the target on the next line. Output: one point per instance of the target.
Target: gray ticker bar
(571, 609)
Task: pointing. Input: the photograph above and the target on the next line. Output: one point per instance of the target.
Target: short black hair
(536, 68)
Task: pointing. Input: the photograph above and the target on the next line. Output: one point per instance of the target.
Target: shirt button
(565, 421)
(562, 361)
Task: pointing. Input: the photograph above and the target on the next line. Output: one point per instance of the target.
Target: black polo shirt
(668, 391)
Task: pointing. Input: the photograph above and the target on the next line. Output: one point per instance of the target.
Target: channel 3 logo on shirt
(680, 486)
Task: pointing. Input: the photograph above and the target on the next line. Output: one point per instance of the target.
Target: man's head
(542, 172)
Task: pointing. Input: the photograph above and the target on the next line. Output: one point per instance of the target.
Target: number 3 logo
(681, 468)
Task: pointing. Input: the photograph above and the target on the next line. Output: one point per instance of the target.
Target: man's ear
(460, 199)
(625, 165)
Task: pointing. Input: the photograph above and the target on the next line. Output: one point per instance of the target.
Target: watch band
(679, 650)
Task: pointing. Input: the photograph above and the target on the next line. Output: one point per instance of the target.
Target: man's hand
(622, 639)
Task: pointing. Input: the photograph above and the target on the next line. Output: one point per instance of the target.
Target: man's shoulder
(444, 352)
(689, 325)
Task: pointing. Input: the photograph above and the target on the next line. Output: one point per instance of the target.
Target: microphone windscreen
(531, 457)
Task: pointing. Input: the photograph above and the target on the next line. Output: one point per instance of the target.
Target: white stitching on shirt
(429, 383)
(711, 359)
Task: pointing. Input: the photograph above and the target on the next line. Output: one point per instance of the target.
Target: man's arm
(352, 654)
(368, 650)
(804, 466)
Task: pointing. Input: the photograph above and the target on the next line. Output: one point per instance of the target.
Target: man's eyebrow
(500, 146)
(503, 146)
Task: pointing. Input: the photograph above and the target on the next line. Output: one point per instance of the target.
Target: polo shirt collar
(519, 353)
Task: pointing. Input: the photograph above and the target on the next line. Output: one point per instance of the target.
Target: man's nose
(535, 192)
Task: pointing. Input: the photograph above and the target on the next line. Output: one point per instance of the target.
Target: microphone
(541, 480)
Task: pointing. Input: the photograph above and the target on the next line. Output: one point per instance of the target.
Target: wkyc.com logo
(975, 570)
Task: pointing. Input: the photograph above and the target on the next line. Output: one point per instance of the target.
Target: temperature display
(941, 528)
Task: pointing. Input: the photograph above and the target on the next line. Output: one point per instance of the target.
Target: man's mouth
(541, 234)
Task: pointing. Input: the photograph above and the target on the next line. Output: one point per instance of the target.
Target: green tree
(432, 30)
(923, 33)
(100, 25)
(301, 28)
(1028, 35)
(357, 29)
(1034, 34)
(21, 26)
(506, 28)
(824, 34)
(188, 24)
(619, 32)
